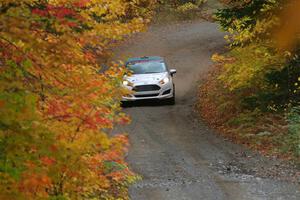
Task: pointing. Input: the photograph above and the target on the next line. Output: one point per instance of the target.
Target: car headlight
(127, 83)
(164, 80)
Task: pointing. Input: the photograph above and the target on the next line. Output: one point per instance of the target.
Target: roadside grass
(269, 132)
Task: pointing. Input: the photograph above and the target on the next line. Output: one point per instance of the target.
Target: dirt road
(177, 155)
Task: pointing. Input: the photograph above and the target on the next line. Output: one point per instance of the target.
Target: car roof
(145, 59)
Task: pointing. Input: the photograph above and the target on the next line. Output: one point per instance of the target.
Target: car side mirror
(172, 71)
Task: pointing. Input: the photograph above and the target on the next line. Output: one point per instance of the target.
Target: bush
(187, 7)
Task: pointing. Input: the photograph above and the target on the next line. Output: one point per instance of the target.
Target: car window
(146, 67)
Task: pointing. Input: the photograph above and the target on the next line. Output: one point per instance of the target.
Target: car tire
(124, 104)
(171, 101)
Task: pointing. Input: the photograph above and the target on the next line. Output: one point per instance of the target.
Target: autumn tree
(257, 80)
(255, 59)
(56, 105)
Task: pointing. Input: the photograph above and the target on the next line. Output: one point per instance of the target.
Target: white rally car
(150, 78)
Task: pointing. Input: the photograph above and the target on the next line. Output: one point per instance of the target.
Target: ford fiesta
(150, 78)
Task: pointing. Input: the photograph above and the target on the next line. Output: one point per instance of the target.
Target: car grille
(143, 88)
(146, 95)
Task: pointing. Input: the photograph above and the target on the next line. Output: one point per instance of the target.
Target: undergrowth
(271, 132)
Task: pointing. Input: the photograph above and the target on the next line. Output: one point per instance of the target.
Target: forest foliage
(258, 78)
(179, 10)
(57, 108)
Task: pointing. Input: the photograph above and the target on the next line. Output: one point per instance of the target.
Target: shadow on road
(145, 103)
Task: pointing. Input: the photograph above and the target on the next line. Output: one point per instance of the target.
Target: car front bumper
(165, 92)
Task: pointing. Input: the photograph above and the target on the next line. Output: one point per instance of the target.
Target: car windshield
(146, 67)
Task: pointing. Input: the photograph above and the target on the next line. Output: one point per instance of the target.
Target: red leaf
(39, 12)
(2, 103)
(81, 3)
(47, 161)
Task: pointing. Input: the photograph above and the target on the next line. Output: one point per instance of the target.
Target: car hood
(145, 79)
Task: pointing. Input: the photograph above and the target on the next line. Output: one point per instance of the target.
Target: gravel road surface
(177, 155)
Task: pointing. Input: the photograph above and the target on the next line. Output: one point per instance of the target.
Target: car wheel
(124, 104)
(171, 101)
